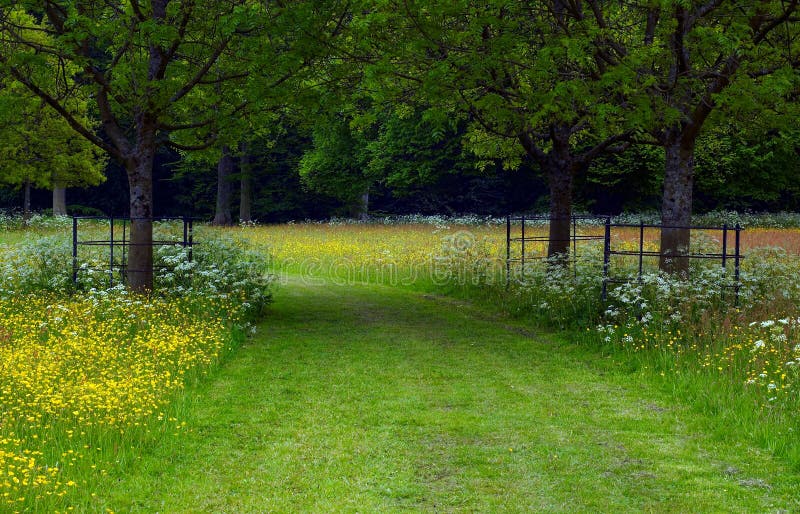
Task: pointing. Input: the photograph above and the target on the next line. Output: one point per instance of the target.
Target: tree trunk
(676, 205)
(26, 201)
(363, 206)
(246, 187)
(559, 166)
(559, 177)
(59, 200)
(224, 190)
(140, 254)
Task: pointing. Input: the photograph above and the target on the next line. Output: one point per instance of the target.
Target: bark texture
(363, 206)
(559, 177)
(59, 201)
(245, 187)
(139, 274)
(676, 205)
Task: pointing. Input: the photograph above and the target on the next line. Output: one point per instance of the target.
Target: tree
(530, 76)
(156, 72)
(39, 148)
(690, 59)
(337, 164)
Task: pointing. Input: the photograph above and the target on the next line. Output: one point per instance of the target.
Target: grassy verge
(376, 399)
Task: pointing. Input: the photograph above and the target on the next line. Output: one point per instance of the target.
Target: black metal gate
(518, 233)
(640, 253)
(118, 243)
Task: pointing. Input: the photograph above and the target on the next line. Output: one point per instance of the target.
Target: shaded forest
(735, 175)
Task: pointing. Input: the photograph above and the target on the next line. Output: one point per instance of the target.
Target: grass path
(374, 399)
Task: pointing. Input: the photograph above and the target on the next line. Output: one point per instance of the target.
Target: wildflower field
(91, 377)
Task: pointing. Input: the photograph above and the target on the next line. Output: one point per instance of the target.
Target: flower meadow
(91, 376)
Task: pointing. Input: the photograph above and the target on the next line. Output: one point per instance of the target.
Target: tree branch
(706, 105)
(598, 14)
(68, 117)
(530, 147)
(653, 15)
(605, 146)
(170, 53)
(702, 11)
(201, 73)
(190, 148)
(137, 10)
(762, 33)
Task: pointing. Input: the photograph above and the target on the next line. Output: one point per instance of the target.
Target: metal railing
(518, 246)
(723, 255)
(524, 222)
(119, 243)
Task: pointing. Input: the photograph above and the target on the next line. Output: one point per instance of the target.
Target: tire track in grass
(372, 399)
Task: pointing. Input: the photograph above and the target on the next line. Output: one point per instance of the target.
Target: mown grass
(371, 399)
(690, 338)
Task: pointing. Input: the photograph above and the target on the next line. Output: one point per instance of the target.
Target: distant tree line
(762, 174)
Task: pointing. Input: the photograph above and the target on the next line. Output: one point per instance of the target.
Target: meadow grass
(85, 382)
(370, 398)
(89, 375)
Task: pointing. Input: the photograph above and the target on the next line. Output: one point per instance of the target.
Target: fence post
(75, 250)
(111, 251)
(574, 246)
(724, 245)
(522, 257)
(508, 251)
(641, 248)
(191, 238)
(123, 262)
(606, 256)
(736, 257)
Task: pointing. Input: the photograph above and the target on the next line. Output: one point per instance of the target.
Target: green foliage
(513, 69)
(337, 163)
(415, 150)
(628, 182)
(741, 168)
(39, 146)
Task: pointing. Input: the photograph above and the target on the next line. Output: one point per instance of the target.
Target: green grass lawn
(375, 399)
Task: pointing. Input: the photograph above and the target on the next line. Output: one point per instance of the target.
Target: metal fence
(640, 253)
(519, 232)
(114, 249)
(520, 237)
